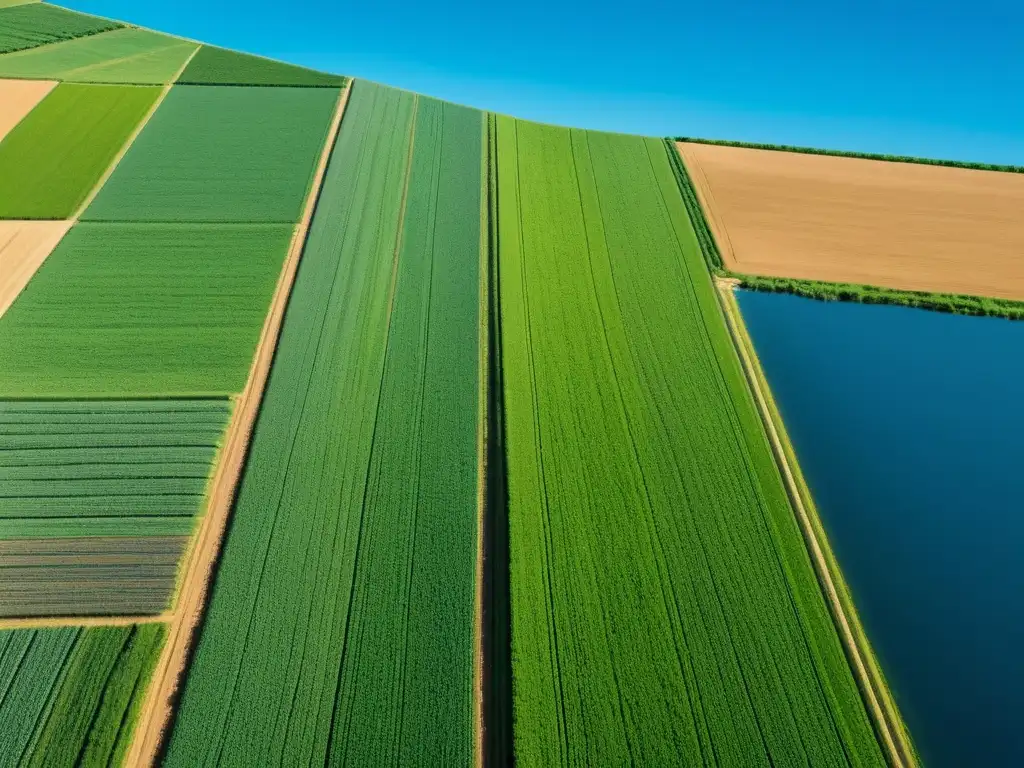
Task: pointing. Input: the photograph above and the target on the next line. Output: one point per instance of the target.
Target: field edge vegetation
(951, 303)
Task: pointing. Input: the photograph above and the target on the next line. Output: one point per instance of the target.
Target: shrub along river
(909, 427)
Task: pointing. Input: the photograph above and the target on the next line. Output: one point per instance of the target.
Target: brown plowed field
(843, 219)
(24, 245)
(18, 98)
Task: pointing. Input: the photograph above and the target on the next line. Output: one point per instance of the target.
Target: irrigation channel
(907, 427)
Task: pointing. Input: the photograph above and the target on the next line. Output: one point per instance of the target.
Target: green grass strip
(219, 66)
(226, 154)
(127, 55)
(129, 310)
(861, 155)
(31, 25)
(53, 158)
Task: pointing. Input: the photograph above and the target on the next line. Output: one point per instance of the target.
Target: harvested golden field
(18, 98)
(843, 219)
(24, 245)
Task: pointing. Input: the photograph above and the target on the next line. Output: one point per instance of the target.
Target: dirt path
(155, 715)
(18, 98)
(24, 246)
(898, 753)
(852, 220)
(83, 621)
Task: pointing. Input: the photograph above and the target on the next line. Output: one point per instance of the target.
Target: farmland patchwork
(28, 26)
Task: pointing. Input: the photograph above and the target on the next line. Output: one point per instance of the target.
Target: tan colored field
(18, 98)
(24, 246)
(842, 219)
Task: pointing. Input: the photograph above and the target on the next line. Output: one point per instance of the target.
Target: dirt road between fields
(168, 676)
(851, 220)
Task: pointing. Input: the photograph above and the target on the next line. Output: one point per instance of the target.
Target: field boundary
(910, 159)
(155, 716)
(128, 142)
(892, 733)
(49, 622)
(822, 290)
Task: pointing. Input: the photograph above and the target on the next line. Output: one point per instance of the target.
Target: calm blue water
(909, 426)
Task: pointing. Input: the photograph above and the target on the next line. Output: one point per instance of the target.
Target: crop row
(664, 609)
(340, 626)
(28, 26)
(97, 500)
(68, 696)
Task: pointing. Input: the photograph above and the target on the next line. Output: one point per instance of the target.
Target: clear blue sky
(939, 78)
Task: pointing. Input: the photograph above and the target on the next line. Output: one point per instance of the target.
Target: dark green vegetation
(952, 303)
(69, 696)
(97, 500)
(705, 238)
(664, 608)
(861, 155)
(28, 26)
(52, 159)
(128, 310)
(340, 629)
(224, 154)
(218, 66)
(121, 56)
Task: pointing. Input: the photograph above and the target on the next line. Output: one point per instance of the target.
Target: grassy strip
(126, 55)
(29, 26)
(219, 66)
(705, 238)
(897, 727)
(53, 158)
(952, 303)
(860, 155)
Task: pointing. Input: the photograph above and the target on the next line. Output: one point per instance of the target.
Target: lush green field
(228, 154)
(28, 26)
(218, 66)
(53, 158)
(97, 500)
(69, 696)
(350, 641)
(664, 609)
(121, 56)
(127, 310)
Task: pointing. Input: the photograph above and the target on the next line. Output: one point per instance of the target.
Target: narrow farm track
(199, 568)
(877, 699)
(44, 622)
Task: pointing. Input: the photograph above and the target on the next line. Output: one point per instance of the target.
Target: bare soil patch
(850, 220)
(18, 98)
(24, 246)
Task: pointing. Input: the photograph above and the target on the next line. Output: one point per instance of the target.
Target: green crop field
(227, 154)
(218, 66)
(352, 643)
(53, 158)
(28, 26)
(663, 603)
(69, 696)
(97, 500)
(128, 310)
(120, 56)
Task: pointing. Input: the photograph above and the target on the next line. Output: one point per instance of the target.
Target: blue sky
(938, 79)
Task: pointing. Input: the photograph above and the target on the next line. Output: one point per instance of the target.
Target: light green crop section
(30, 25)
(70, 696)
(121, 56)
(340, 630)
(53, 158)
(125, 310)
(664, 609)
(225, 154)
